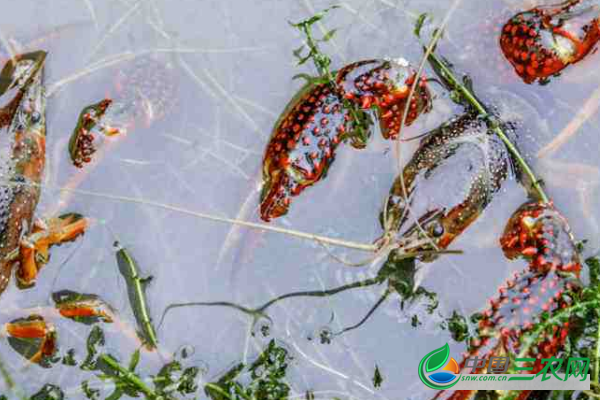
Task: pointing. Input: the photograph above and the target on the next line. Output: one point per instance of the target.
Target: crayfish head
(274, 197)
(429, 234)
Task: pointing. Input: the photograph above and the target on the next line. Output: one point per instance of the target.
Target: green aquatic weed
(90, 393)
(361, 129)
(136, 291)
(266, 378)
(377, 377)
(49, 392)
(174, 378)
(95, 339)
(458, 327)
(69, 358)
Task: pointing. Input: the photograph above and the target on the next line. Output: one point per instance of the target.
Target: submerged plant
(49, 392)
(266, 378)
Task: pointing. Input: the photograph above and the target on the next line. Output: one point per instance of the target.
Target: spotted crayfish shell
(541, 235)
(302, 147)
(541, 42)
(303, 143)
(386, 84)
(509, 325)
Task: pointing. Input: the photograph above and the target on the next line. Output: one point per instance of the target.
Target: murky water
(232, 63)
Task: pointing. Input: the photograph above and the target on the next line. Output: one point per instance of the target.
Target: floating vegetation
(69, 358)
(377, 378)
(49, 392)
(360, 132)
(458, 326)
(136, 292)
(266, 378)
(173, 378)
(94, 340)
(127, 382)
(90, 393)
(398, 271)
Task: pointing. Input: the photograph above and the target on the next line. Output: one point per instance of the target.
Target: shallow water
(232, 63)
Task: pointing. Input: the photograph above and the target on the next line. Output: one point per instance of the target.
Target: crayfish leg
(35, 248)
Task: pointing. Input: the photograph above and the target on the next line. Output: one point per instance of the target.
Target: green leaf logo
(438, 359)
(432, 361)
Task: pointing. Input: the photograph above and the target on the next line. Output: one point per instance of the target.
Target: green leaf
(476, 317)
(400, 273)
(311, 79)
(69, 358)
(594, 264)
(468, 82)
(263, 379)
(329, 35)
(308, 78)
(173, 377)
(187, 382)
(134, 360)
(458, 327)
(377, 378)
(438, 359)
(315, 18)
(116, 395)
(456, 97)
(437, 32)
(419, 24)
(298, 52)
(433, 303)
(49, 392)
(90, 393)
(303, 60)
(414, 321)
(94, 340)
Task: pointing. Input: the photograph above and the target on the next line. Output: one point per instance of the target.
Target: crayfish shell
(302, 147)
(323, 115)
(449, 181)
(541, 235)
(33, 338)
(541, 42)
(386, 84)
(82, 307)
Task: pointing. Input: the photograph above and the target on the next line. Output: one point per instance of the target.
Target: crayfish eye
(437, 230)
(36, 117)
